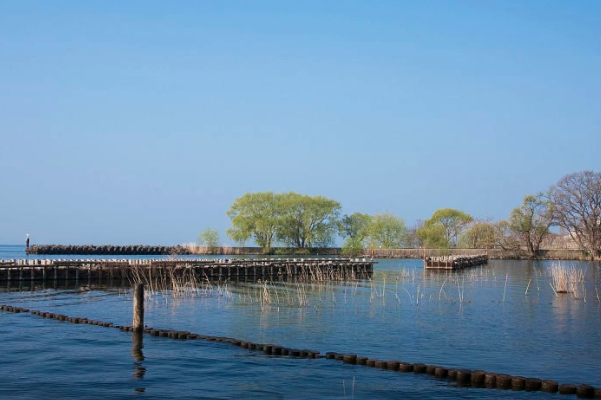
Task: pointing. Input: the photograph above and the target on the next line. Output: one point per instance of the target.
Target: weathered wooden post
(138, 324)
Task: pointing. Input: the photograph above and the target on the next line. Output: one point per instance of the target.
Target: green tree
(444, 227)
(209, 238)
(307, 221)
(531, 221)
(255, 216)
(354, 226)
(387, 231)
(480, 235)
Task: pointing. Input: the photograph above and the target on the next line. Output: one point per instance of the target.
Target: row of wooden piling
(205, 269)
(462, 377)
(108, 249)
(455, 262)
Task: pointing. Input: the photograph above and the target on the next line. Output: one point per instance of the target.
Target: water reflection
(136, 351)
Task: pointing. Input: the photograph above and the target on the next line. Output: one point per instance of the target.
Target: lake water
(503, 317)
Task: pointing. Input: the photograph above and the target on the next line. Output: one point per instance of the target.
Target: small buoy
(567, 388)
(349, 359)
(585, 391)
(419, 368)
(533, 384)
(405, 367)
(478, 378)
(452, 375)
(392, 365)
(490, 380)
(503, 381)
(518, 383)
(441, 372)
(362, 360)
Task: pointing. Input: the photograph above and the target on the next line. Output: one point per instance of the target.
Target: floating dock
(455, 262)
(271, 269)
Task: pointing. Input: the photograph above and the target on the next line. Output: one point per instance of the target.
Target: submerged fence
(460, 377)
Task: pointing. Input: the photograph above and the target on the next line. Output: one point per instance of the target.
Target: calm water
(503, 317)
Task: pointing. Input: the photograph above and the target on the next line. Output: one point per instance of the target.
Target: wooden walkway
(455, 262)
(308, 269)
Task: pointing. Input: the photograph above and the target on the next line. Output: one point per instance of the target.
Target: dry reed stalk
(567, 280)
(559, 279)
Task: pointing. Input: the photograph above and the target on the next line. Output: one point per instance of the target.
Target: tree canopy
(531, 222)
(354, 226)
(444, 227)
(306, 221)
(387, 231)
(209, 238)
(293, 219)
(577, 208)
(480, 235)
(256, 216)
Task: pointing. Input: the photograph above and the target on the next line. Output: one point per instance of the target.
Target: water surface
(503, 317)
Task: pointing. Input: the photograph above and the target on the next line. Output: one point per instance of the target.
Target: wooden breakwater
(461, 377)
(108, 250)
(181, 250)
(178, 250)
(94, 271)
(455, 262)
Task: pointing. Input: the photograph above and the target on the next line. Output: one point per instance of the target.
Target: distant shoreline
(54, 249)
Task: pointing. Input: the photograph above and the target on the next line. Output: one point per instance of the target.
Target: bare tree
(577, 204)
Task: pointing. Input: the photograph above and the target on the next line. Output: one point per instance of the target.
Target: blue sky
(140, 122)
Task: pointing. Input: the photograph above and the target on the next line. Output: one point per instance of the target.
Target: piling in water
(138, 323)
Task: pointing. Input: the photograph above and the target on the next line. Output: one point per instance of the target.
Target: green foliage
(352, 247)
(209, 238)
(443, 228)
(433, 236)
(531, 221)
(387, 231)
(481, 235)
(256, 216)
(354, 226)
(307, 221)
(292, 219)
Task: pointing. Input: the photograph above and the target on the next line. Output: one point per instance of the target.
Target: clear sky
(140, 122)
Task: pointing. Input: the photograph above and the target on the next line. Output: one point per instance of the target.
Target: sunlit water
(503, 317)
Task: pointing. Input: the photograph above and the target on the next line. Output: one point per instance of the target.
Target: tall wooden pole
(138, 324)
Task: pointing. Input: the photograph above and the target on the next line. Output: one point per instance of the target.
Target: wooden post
(138, 324)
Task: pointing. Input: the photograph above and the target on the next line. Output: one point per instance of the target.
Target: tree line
(302, 222)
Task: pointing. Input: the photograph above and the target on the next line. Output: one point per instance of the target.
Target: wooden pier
(271, 269)
(455, 262)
